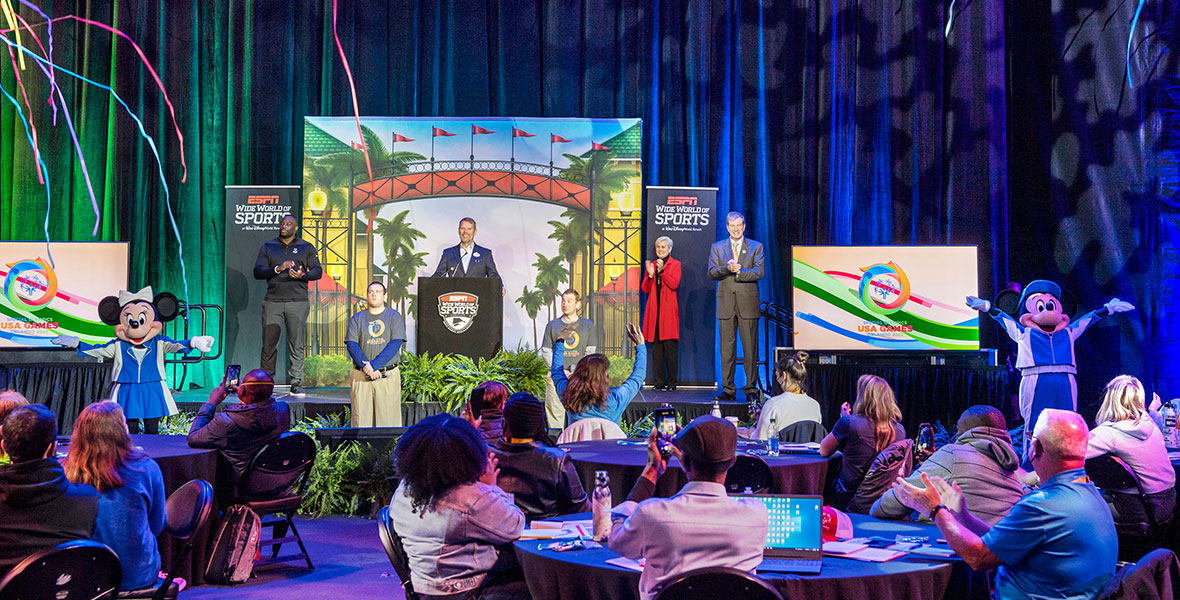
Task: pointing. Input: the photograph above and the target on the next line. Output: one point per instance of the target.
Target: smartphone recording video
(665, 424)
(233, 377)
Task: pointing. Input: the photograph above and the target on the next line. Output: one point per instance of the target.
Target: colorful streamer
(20, 113)
(142, 132)
(356, 112)
(1131, 38)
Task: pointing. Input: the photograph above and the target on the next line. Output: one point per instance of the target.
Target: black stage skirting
(925, 394)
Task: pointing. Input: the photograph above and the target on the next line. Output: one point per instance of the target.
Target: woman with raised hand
(864, 430)
(587, 392)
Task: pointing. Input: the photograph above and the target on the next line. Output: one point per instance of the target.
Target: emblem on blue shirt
(376, 328)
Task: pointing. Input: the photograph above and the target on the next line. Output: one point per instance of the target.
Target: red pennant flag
(356, 146)
(397, 137)
(520, 133)
(477, 130)
(436, 132)
(557, 139)
(597, 146)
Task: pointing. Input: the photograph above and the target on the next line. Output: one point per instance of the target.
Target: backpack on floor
(236, 546)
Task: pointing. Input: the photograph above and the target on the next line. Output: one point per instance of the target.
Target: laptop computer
(794, 541)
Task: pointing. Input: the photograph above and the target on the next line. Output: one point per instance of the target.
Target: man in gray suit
(737, 265)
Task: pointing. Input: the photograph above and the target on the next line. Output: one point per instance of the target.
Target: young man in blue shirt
(1058, 541)
(374, 340)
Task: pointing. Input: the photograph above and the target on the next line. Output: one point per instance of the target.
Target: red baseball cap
(836, 525)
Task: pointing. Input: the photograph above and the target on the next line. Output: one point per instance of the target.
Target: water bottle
(1170, 433)
(601, 506)
(772, 441)
(716, 412)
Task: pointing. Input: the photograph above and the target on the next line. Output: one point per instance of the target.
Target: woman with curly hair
(864, 430)
(587, 392)
(131, 511)
(451, 516)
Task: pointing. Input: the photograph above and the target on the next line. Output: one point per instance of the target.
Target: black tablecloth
(181, 464)
(793, 474)
(584, 574)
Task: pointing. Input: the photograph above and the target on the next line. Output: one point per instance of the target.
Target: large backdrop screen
(885, 297)
(557, 201)
(55, 290)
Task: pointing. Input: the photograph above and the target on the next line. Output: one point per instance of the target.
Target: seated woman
(864, 430)
(541, 478)
(485, 409)
(451, 516)
(586, 393)
(1126, 431)
(131, 511)
(791, 406)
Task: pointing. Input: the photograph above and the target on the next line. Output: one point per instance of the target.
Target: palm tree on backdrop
(532, 301)
(572, 237)
(401, 262)
(352, 160)
(329, 181)
(550, 275)
(608, 178)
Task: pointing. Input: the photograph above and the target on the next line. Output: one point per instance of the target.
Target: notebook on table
(794, 541)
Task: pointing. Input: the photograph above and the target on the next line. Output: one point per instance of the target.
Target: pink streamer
(155, 76)
(356, 112)
(21, 84)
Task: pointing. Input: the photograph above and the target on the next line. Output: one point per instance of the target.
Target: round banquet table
(179, 465)
(585, 575)
(624, 461)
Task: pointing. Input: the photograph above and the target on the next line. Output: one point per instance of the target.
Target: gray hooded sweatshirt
(982, 462)
(1141, 445)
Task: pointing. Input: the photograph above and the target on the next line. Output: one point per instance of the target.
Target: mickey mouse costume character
(1044, 336)
(138, 351)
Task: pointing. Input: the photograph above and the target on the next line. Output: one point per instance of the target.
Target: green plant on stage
(375, 476)
(326, 370)
(640, 428)
(331, 490)
(177, 424)
(449, 379)
(423, 376)
(324, 421)
(619, 369)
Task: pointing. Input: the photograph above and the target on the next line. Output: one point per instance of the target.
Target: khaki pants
(376, 403)
(554, 409)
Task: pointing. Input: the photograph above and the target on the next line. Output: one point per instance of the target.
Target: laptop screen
(796, 522)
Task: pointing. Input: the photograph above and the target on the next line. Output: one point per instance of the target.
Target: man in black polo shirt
(286, 263)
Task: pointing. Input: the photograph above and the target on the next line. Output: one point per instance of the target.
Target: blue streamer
(41, 162)
(142, 132)
(1131, 38)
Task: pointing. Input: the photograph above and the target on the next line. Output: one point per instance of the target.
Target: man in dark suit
(737, 265)
(468, 259)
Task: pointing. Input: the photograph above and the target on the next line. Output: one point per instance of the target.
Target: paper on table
(875, 555)
(545, 534)
(547, 525)
(933, 551)
(842, 548)
(626, 563)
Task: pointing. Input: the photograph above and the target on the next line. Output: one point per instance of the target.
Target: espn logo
(682, 200)
(262, 199)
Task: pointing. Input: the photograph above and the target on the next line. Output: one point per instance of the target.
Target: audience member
(131, 511)
(1057, 542)
(980, 460)
(450, 515)
(864, 430)
(485, 409)
(1126, 431)
(541, 478)
(700, 526)
(239, 430)
(791, 406)
(587, 392)
(9, 401)
(579, 339)
(39, 507)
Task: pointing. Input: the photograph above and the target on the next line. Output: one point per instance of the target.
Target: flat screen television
(43, 298)
(885, 297)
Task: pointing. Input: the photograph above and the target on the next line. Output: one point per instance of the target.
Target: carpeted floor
(349, 563)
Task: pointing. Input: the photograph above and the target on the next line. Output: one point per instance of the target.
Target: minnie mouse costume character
(138, 351)
(1044, 336)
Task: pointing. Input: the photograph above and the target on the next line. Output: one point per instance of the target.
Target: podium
(460, 315)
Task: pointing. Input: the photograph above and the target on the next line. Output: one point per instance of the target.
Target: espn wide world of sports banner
(885, 297)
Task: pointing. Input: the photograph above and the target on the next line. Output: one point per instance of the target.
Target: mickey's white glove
(68, 341)
(204, 343)
(1117, 306)
(978, 304)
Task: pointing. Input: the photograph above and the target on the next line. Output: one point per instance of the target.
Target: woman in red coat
(661, 319)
